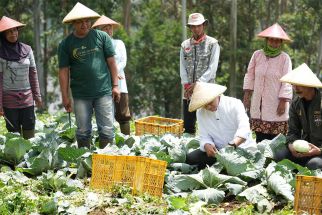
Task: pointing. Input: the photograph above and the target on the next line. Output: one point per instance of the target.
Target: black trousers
(189, 118)
(262, 136)
(200, 159)
(20, 118)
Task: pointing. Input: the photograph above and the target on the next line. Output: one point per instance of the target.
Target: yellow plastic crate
(308, 195)
(144, 175)
(158, 126)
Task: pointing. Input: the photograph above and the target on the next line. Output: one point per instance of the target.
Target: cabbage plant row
(49, 174)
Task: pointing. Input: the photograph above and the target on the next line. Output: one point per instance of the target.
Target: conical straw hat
(204, 93)
(80, 11)
(275, 31)
(7, 23)
(302, 76)
(103, 20)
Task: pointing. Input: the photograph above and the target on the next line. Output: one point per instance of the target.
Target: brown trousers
(122, 111)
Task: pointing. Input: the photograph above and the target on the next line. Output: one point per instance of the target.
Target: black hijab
(13, 51)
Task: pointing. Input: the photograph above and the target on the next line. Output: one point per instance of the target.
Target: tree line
(152, 32)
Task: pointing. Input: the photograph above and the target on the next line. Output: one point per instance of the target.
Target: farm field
(48, 174)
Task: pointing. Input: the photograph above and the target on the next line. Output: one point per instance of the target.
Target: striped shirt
(19, 83)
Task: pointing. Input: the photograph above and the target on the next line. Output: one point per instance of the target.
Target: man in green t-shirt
(87, 64)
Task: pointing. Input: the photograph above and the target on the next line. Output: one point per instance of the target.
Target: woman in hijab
(264, 95)
(18, 80)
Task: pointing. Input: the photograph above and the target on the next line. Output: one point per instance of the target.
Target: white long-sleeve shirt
(222, 126)
(120, 59)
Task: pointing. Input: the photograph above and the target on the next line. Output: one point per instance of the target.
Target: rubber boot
(125, 128)
(27, 134)
(84, 143)
(103, 142)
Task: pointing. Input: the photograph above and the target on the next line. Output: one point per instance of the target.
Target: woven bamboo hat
(80, 11)
(302, 76)
(204, 93)
(7, 23)
(275, 31)
(104, 20)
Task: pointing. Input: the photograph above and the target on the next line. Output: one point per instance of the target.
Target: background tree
(152, 34)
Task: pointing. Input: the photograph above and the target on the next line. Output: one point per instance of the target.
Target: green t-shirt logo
(81, 53)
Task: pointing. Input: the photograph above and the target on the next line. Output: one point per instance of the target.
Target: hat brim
(302, 76)
(104, 20)
(7, 23)
(198, 23)
(284, 39)
(204, 93)
(302, 84)
(18, 27)
(70, 21)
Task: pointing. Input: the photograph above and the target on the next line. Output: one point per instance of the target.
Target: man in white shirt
(222, 121)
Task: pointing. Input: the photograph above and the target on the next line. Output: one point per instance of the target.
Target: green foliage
(155, 36)
(70, 154)
(246, 210)
(16, 203)
(15, 147)
(53, 182)
(48, 206)
(154, 62)
(181, 203)
(120, 191)
(187, 190)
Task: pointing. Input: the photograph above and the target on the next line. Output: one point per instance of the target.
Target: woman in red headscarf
(19, 86)
(264, 95)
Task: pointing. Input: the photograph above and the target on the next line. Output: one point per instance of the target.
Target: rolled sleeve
(243, 129)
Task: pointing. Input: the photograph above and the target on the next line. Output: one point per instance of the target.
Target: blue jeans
(103, 109)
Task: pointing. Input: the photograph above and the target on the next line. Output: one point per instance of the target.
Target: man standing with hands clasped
(199, 56)
(87, 64)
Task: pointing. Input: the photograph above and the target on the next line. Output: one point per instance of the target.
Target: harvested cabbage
(301, 146)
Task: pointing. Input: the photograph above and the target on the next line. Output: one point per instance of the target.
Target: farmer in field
(87, 64)
(222, 122)
(265, 96)
(19, 86)
(122, 111)
(305, 122)
(199, 56)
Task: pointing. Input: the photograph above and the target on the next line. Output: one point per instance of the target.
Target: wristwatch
(232, 143)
